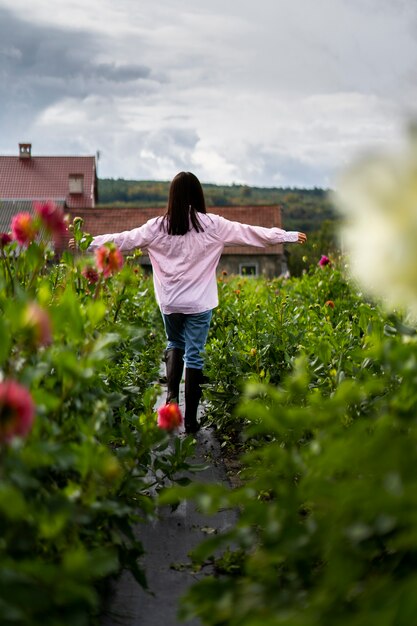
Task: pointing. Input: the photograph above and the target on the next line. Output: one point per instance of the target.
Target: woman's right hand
(71, 244)
(302, 238)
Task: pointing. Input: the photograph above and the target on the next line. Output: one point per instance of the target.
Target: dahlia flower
(91, 274)
(24, 228)
(52, 217)
(109, 259)
(17, 411)
(378, 197)
(170, 416)
(324, 260)
(5, 238)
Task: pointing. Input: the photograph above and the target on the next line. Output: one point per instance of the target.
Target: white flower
(378, 198)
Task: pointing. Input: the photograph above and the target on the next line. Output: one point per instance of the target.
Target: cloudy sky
(262, 92)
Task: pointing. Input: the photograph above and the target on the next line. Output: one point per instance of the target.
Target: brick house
(69, 181)
(247, 260)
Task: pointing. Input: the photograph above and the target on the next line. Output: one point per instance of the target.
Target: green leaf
(5, 341)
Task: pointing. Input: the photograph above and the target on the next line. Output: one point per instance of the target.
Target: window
(76, 183)
(248, 269)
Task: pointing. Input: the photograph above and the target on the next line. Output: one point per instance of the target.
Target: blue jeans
(188, 332)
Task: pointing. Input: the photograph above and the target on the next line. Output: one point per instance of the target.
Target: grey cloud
(40, 65)
(289, 68)
(10, 52)
(121, 73)
(171, 140)
(279, 169)
(149, 155)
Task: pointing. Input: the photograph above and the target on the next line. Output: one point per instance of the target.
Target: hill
(303, 209)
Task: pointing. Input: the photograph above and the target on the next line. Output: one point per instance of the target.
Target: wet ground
(167, 542)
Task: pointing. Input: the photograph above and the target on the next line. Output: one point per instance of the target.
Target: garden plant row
(316, 388)
(308, 381)
(81, 456)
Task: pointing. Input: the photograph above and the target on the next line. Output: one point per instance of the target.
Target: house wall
(266, 265)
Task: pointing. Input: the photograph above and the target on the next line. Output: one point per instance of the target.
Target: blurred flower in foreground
(109, 259)
(38, 322)
(378, 197)
(324, 260)
(329, 303)
(170, 416)
(24, 228)
(17, 410)
(52, 217)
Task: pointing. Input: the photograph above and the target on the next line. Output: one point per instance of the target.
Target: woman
(184, 247)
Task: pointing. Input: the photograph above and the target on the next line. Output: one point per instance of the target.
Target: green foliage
(323, 241)
(326, 527)
(260, 327)
(72, 489)
(311, 383)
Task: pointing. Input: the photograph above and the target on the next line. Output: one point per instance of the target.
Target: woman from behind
(184, 248)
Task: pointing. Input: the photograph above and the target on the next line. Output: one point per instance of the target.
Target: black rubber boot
(193, 379)
(174, 367)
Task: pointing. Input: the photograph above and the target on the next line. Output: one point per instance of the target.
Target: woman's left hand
(302, 238)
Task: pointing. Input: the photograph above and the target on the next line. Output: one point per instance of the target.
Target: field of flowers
(80, 452)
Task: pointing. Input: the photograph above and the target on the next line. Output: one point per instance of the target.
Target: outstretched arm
(125, 241)
(235, 233)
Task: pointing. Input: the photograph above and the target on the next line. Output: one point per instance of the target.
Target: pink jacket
(184, 266)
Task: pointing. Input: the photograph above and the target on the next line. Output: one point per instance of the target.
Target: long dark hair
(185, 201)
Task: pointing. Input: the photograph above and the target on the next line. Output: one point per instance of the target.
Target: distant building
(69, 181)
(246, 260)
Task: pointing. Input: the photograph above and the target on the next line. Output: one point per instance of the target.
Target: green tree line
(302, 209)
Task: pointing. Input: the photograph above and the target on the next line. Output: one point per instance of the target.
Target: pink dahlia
(24, 229)
(52, 217)
(17, 410)
(37, 320)
(324, 260)
(109, 259)
(170, 416)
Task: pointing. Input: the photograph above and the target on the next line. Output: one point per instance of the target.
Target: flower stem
(8, 270)
(98, 287)
(119, 304)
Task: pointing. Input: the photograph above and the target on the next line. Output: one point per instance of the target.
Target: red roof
(99, 221)
(47, 178)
